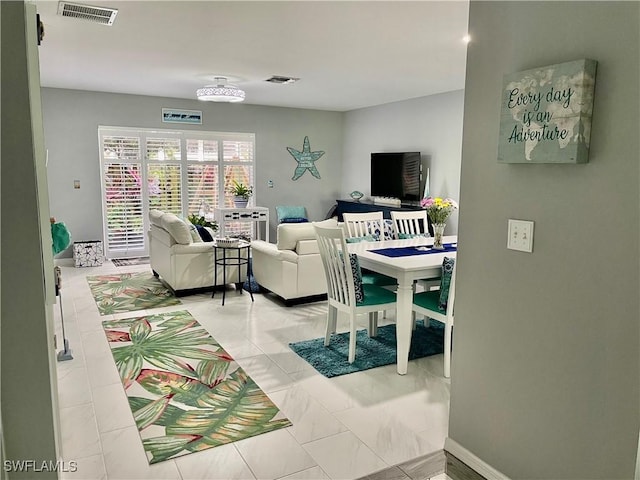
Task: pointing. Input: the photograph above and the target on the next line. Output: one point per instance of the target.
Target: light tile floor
(343, 428)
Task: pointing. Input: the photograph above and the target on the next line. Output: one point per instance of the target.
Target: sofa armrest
(307, 247)
(271, 250)
(193, 248)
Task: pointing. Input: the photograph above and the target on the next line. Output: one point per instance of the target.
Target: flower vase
(438, 232)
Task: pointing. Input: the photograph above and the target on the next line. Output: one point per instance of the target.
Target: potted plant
(241, 194)
(200, 220)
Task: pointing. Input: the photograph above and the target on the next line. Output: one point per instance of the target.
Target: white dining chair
(362, 224)
(413, 224)
(410, 224)
(361, 227)
(364, 227)
(438, 305)
(345, 293)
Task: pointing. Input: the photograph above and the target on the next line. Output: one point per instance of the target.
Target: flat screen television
(397, 175)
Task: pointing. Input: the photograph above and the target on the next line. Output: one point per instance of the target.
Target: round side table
(230, 256)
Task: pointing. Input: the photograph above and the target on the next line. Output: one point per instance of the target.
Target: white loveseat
(292, 267)
(180, 258)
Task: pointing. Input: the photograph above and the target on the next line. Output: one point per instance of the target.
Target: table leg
(404, 299)
(248, 273)
(224, 274)
(215, 271)
(239, 284)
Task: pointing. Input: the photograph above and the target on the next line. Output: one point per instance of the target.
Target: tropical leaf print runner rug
(127, 292)
(186, 393)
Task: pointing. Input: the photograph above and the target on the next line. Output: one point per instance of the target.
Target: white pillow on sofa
(155, 216)
(177, 228)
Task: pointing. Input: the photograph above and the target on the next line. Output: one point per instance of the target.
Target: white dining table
(406, 270)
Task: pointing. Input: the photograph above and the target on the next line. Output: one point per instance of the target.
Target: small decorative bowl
(227, 242)
(356, 195)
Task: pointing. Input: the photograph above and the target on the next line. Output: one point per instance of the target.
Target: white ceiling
(348, 55)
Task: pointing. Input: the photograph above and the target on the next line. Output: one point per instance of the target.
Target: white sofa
(181, 259)
(291, 268)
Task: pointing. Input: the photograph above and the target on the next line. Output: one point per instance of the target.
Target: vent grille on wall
(281, 80)
(103, 16)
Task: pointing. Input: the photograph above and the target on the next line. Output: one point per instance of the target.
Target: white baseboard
(480, 466)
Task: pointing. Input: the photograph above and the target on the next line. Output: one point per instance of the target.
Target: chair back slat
(361, 224)
(337, 268)
(414, 222)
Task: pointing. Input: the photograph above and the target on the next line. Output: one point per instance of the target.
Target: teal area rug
(374, 352)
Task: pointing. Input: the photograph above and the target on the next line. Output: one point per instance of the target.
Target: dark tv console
(352, 206)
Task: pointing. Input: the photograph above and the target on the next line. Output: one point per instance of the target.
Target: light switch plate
(520, 235)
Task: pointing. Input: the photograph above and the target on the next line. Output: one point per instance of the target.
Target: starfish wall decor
(306, 160)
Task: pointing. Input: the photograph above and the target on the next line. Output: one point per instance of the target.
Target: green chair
(345, 290)
(438, 304)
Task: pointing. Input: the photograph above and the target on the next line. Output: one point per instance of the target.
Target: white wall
(71, 130)
(431, 125)
(545, 366)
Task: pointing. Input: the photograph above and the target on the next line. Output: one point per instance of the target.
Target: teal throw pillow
(404, 236)
(366, 238)
(285, 212)
(445, 281)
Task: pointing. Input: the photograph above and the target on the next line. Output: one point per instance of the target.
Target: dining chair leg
(332, 315)
(373, 324)
(352, 340)
(447, 350)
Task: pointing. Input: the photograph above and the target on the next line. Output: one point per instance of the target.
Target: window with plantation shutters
(202, 184)
(122, 194)
(177, 171)
(164, 187)
(202, 175)
(123, 207)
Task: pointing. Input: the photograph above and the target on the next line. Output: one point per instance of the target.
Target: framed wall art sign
(546, 114)
(171, 115)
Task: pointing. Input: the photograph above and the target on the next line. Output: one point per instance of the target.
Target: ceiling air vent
(281, 80)
(103, 16)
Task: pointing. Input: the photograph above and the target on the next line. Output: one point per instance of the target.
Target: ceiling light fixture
(220, 92)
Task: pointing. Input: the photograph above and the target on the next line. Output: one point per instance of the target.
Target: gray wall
(71, 129)
(28, 389)
(431, 125)
(545, 363)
